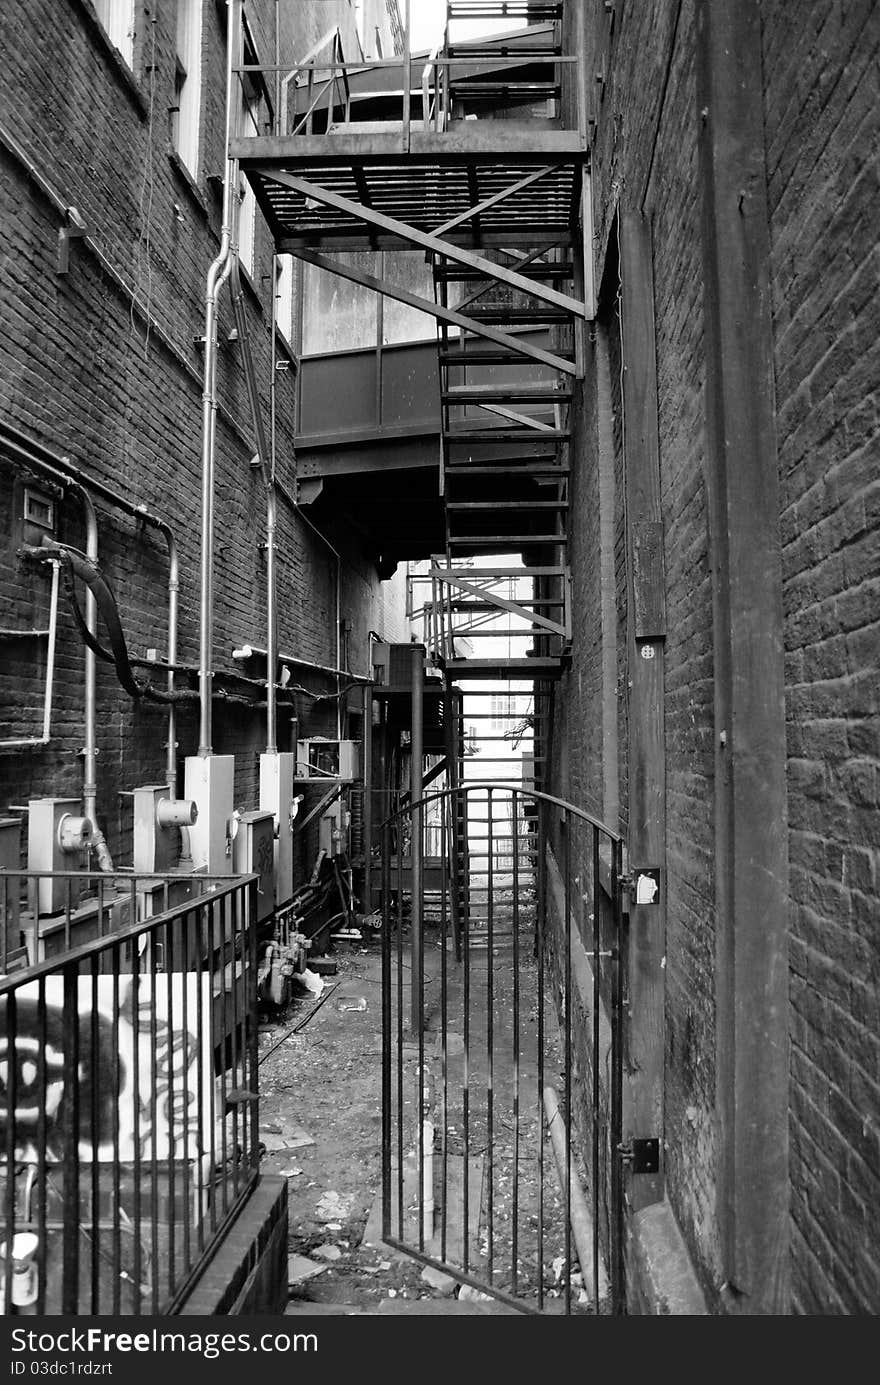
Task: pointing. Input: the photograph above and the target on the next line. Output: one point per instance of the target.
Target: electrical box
(208, 781)
(334, 829)
(157, 820)
(58, 840)
(10, 889)
(253, 853)
(393, 664)
(277, 797)
(321, 758)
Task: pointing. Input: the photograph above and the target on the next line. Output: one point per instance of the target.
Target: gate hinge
(642, 1155)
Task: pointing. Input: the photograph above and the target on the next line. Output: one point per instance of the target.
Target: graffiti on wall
(133, 1085)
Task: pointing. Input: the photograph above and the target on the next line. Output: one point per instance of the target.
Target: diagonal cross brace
(555, 627)
(427, 241)
(425, 305)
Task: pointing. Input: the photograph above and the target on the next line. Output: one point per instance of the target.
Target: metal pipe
(582, 1225)
(267, 472)
(416, 748)
(218, 273)
(173, 591)
(90, 708)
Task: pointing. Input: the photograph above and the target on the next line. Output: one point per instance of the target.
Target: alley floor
(321, 1128)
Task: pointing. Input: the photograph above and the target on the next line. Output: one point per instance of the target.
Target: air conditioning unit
(321, 758)
(393, 663)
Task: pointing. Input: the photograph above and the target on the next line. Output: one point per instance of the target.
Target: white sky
(427, 18)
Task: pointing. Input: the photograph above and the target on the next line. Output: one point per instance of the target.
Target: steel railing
(128, 1094)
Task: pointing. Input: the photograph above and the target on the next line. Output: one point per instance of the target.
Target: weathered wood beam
(646, 629)
(751, 830)
(428, 241)
(425, 305)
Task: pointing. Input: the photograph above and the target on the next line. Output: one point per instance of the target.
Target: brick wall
(110, 375)
(821, 116)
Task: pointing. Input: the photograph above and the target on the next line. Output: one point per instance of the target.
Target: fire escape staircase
(485, 174)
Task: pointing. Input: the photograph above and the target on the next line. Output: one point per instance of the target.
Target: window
(502, 710)
(250, 126)
(284, 297)
(117, 17)
(187, 83)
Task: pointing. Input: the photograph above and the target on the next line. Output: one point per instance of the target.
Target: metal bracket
(643, 1156)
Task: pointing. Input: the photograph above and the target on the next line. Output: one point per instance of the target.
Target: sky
(427, 18)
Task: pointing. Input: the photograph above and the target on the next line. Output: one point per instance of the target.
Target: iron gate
(502, 1071)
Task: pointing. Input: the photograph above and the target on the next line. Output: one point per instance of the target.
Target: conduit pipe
(90, 710)
(218, 273)
(61, 470)
(579, 1213)
(267, 471)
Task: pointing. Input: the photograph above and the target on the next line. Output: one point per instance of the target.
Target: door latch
(643, 1156)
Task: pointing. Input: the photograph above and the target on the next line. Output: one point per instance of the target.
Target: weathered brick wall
(821, 115)
(82, 373)
(822, 118)
(645, 157)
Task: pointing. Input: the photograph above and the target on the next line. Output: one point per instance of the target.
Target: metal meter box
(276, 797)
(10, 846)
(58, 840)
(208, 780)
(253, 853)
(324, 758)
(157, 820)
(334, 828)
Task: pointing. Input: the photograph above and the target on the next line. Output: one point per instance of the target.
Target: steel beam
(425, 240)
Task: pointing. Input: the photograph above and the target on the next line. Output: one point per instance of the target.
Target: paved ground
(320, 1121)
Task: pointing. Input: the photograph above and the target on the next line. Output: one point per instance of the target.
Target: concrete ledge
(247, 1275)
(661, 1277)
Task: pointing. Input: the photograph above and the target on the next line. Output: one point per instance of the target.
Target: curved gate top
(502, 1070)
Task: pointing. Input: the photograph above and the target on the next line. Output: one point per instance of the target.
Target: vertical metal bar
(368, 799)
(566, 928)
(205, 1031)
(11, 1030)
(400, 1005)
(96, 1079)
(407, 74)
(116, 1199)
(618, 1287)
(444, 1026)
(386, 1028)
(155, 1266)
(516, 1020)
(250, 998)
(539, 948)
(596, 1056)
(466, 1072)
(41, 1186)
(218, 960)
(70, 1142)
(172, 1046)
(136, 1124)
(231, 933)
(182, 969)
(490, 1033)
(416, 753)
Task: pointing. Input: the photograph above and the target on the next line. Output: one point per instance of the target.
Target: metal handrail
(128, 1118)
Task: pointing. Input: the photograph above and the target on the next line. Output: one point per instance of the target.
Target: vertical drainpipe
(173, 589)
(90, 748)
(217, 275)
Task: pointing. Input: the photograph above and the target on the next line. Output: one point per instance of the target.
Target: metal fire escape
(477, 160)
